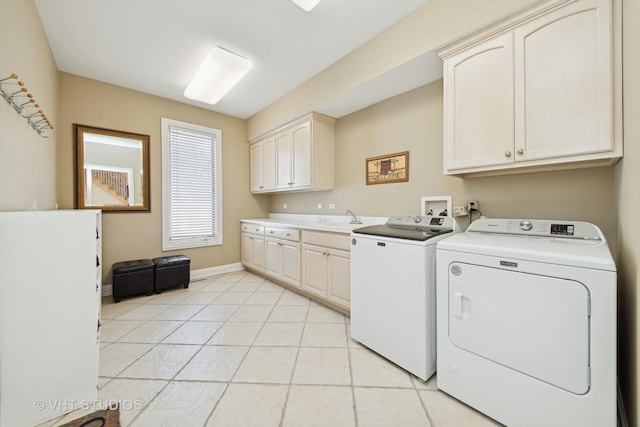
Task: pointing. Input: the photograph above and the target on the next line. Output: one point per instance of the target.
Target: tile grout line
(352, 385)
(249, 347)
(424, 406)
(168, 381)
(180, 370)
(173, 379)
(293, 370)
(286, 404)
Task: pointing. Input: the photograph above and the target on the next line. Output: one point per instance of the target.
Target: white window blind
(191, 177)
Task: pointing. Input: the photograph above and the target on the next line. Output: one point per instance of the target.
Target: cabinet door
(340, 277)
(246, 249)
(258, 252)
(290, 262)
(315, 269)
(273, 257)
(284, 155)
(269, 164)
(257, 171)
(563, 82)
(302, 153)
(478, 124)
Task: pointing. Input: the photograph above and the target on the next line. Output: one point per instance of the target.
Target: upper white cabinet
(540, 90)
(298, 156)
(479, 105)
(263, 165)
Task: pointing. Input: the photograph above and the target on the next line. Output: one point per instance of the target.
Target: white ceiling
(156, 46)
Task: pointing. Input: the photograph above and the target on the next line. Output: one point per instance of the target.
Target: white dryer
(526, 322)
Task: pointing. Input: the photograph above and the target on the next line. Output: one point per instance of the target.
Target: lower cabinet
(282, 256)
(252, 247)
(326, 266)
(339, 288)
(317, 263)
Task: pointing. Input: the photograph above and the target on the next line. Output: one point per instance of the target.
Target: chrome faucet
(354, 218)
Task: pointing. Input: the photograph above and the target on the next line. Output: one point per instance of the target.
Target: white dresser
(50, 289)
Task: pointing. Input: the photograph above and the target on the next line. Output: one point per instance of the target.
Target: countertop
(331, 223)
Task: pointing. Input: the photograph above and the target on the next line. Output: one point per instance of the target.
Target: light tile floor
(238, 350)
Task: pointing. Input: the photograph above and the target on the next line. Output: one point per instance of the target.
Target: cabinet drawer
(251, 228)
(282, 233)
(330, 240)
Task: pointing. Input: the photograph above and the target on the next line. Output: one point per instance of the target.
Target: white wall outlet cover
(284, 206)
(460, 211)
(320, 205)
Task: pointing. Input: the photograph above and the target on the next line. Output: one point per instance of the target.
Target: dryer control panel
(538, 227)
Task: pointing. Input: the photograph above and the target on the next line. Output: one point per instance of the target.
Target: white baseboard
(107, 290)
(212, 271)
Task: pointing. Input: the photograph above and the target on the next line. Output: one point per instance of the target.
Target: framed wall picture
(388, 169)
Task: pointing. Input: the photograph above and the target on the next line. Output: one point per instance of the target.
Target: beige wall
(432, 26)
(628, 207)
(27, 161)
(413, 122)
(139, 235)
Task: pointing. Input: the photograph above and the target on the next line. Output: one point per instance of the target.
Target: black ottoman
(172, 271)
(132, 278)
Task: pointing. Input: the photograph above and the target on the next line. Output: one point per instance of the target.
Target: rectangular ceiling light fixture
(307, 5)
(219, 72)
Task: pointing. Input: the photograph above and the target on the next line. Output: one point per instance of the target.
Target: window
(191, 187)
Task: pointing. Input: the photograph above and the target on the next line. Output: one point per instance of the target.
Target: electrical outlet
(332, 205)
(460, 210)
(320, 205)
(285, 206)
(473, 204)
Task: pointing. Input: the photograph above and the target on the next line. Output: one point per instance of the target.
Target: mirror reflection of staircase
(112, 188)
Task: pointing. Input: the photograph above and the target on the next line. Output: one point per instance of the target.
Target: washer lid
(411, 227)
(569, 243)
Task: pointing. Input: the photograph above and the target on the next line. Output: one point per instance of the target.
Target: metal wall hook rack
(17, 95)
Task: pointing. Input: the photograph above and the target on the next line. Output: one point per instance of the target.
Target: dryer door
(537, 325)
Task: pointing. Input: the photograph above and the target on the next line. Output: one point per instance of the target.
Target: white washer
(393, 289)
(527, 322)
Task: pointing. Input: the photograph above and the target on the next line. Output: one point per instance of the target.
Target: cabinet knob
(507, 153)
(520, 151)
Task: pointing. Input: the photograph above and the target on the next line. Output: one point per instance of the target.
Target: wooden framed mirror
(111, 170)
